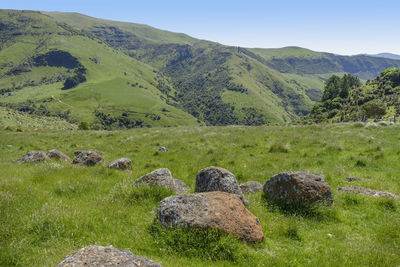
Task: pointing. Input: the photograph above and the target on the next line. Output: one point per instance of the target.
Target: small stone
(352, 179)
(162, 149)
(120, 164)
(366, 192)
(96, 255)
(251, 187)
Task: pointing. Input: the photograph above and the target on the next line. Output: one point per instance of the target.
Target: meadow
(49, 210)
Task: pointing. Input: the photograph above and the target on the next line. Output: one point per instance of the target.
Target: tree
(374, 109)
(332, 88)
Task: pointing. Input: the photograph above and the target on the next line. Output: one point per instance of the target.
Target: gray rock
(298, 189)
(88, 157)
(120, 164)
(162, 149)
(163, 177)
(217, 209)
(218, 179)
(34, 157)
(56, 154)
(251, 187)
(353, 179)
(96, 255)
(366, 192)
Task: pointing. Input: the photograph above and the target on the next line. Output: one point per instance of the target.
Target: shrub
(83, 125)
(278, 148)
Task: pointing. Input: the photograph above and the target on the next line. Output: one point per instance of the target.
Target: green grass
(51, 209)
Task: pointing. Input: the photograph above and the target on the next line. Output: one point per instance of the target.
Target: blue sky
(343, 27)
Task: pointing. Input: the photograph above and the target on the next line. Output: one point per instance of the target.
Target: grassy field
(51, 209)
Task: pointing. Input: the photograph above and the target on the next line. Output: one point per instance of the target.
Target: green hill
(38, 54)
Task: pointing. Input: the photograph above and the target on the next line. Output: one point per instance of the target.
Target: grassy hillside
(52, 209)
(115, 83)
(19, 121)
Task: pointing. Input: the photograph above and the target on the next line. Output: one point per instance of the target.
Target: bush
(83, 125)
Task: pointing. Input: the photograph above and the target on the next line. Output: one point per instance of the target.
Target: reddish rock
(216, 209)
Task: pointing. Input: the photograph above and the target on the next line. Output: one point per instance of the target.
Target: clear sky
(340, 26)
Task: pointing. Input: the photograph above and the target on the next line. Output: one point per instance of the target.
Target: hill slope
(38, 54)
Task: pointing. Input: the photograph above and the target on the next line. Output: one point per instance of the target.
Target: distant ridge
(383, 55)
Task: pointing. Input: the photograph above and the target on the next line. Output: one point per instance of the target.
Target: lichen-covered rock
(88, 157)
(163, 177)
(34, 157)
(56, 154)
(297, 189)
(366, 191)
(216, 209)
(96, 255)
(162, 149)
(251, 187)
(120, 164)
(218, 179)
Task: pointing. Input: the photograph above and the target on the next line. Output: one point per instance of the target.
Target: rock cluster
(96, 255)
(297, 189)
(220, 210)
(163, 178)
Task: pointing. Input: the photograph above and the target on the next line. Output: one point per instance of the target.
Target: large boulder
(34, 157)
(366, 192)
(251, 187)
(218, 179)
(56, 154)
(163, 178)
(297, 189)
(88, 157)
(217, 209)
(96, 255)
(120, 164)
